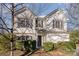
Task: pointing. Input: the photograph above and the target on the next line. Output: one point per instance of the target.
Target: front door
(39, 41)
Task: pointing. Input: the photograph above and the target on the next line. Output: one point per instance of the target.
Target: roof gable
(24, 13)
(54, 12)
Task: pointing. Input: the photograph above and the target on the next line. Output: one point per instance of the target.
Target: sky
(45, 8)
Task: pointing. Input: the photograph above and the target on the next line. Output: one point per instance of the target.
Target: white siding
(59, 17)
(51, 37)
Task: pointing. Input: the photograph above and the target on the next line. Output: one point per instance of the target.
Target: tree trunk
(77, 49)
(12, 39)
(11, 49)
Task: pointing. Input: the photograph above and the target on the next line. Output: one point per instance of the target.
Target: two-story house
(50, 28)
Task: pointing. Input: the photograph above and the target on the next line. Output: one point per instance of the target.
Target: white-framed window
(24, 37)
(57, 24)
(39, 22)
(24, 22)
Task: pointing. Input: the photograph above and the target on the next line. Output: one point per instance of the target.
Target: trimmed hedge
(48, 46)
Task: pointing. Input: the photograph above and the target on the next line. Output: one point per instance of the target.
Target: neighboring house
(51, 28)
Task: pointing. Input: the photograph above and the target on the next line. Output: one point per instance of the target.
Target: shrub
(67, 46)
(74, 36)
(58, 45)
(48, 46)
(4, 43)
(29, 45)
(19, 45)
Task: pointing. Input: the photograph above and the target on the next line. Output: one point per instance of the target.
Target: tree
(7, 18)
(73, 13)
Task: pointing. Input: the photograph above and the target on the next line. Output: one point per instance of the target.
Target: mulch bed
(52, 53)
(15, 53)
(39, 52)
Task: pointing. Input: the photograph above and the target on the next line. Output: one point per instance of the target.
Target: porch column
(43, 39)
(60, 24)
(36, 40)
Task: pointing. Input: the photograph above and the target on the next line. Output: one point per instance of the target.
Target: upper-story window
(58, 24)
(24, 22)
(24, 37)
(39, 23)
(21, 23)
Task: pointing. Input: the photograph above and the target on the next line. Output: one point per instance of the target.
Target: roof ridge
(22, 10)
(53, 12)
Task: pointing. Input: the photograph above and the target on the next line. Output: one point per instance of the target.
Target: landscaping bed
(53, 53)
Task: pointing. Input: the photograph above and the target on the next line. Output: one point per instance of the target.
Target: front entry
(39, 40)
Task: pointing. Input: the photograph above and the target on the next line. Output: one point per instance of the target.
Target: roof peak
(54, 11)
(41, 16)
